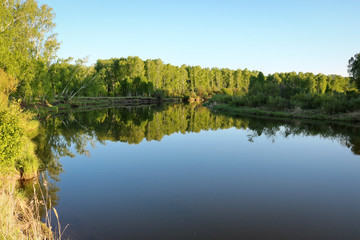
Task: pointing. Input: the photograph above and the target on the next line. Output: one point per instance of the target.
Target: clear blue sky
(270, 36)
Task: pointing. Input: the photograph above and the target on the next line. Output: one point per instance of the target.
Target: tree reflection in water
(76, 130)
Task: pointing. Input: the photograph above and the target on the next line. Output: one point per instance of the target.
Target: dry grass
(19, 216)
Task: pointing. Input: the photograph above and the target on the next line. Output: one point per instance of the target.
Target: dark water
(180, 172)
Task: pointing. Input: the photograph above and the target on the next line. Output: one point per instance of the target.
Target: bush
(334, 105)
(239, 101)
(304, 101)
(16, 148)
(354, 104)
(277, 103)
(221, 98)
(256, 100)
(330, 103)
(159, 95)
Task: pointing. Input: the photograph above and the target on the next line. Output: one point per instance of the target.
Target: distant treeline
(134, 77)
(28, 49)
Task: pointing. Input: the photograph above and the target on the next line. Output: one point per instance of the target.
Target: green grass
(297, 113)
(20, 212)
(83, 103)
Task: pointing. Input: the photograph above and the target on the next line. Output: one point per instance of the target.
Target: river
(181, 172)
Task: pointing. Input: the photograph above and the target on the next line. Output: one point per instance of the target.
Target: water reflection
(70, 134)
(135, 124)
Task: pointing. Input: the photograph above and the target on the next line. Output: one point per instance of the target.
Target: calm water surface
(180, 172)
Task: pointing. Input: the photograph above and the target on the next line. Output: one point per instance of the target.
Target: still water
(180, 172)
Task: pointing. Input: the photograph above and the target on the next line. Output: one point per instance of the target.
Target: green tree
(354, 68)
(26, 37)
(245, 83)
(218, 77)
(153, 72)
(16, 148)
(107, 71)
(238, 75)
(227, 77)
(135, 67)
(321, 82)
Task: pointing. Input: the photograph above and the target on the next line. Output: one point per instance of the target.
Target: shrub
(354, 104)
(304, 101)
(16, 148)
(334, 105)
(238, 101)
(277, 103)
(256, 100)
(221, 98)
(159, 94)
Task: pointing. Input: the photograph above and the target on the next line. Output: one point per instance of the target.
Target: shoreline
(89, 103)
(290, 114)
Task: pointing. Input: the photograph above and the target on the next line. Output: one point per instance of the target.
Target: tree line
(132, 77)
(28, 49)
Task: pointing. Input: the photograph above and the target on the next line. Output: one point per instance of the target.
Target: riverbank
(19, 209)
(20, 214)
(296, 113)
(83, 103)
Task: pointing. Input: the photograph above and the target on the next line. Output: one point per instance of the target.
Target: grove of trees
(28, 49)
(354, 68)
(132, 76)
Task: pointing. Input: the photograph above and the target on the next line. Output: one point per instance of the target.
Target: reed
(20, 215)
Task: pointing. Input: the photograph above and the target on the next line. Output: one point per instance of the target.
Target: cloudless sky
(269, 36)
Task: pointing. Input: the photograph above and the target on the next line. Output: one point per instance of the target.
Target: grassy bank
(19, 214)
(17, 151)
(95, 102)
(19, 211)
(297, 113)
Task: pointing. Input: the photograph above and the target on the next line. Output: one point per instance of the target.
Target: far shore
(84, 103)
(227, 109)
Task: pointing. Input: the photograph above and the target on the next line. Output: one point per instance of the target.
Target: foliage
(27, 53)
(354, 68)
(118, 78)
(278, 102)
(329, 103)
(159, 95)
(331, 94)
(27, 43)
(16, 148)
(7, 86)
(221, 98)
(74, 78)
